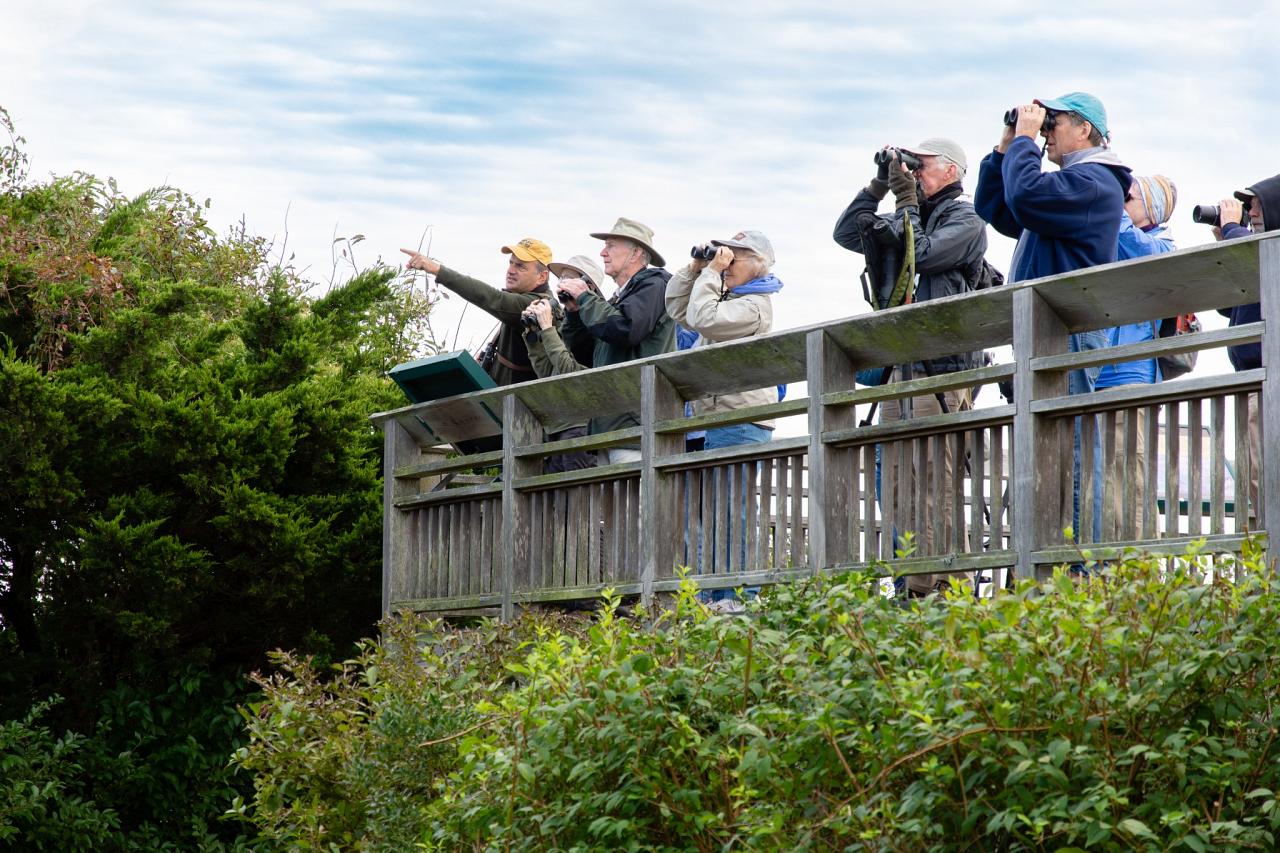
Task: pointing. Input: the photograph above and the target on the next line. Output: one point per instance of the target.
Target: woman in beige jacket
(726, 298)
(722, 298)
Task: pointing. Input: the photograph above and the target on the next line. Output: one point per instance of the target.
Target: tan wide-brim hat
(636, 232)
(580, 264)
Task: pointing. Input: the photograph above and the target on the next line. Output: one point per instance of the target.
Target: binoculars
(885, 156)
(1050, 119)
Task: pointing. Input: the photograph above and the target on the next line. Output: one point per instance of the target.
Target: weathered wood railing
(763, 513)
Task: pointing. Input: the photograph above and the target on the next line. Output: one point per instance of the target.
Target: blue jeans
(1082, 381)
(733, 436)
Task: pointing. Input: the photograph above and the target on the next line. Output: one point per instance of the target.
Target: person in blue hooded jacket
(1063, 221)
(1143, 232)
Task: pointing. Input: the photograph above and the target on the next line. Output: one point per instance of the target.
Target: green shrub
(43, 805)
(1131, 712)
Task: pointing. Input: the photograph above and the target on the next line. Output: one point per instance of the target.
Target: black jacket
(1249, 356)
(632, 324)
(949, 246)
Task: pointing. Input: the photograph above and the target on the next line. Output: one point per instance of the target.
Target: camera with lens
(1050, 119)
(885, 156)
(703, 253)
(1211, 214)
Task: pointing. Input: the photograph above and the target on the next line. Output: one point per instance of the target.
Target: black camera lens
(1205, 214)
(702, 253)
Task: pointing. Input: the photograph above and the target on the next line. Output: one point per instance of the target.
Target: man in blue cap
(1064, 220)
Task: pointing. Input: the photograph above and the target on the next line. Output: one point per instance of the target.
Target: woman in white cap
(547, 349)
(550, 356)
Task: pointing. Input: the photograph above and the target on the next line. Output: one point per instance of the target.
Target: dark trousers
(574, 460)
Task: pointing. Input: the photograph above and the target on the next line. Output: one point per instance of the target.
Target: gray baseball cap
(940, 146)
(754, 241)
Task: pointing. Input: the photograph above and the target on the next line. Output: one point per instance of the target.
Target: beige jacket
(701, 305)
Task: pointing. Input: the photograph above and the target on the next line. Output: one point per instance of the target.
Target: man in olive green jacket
(526, 282)
(527, 274)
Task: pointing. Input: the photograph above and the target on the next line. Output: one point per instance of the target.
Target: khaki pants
(891, 410)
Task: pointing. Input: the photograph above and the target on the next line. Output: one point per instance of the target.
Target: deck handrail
(1035, 317)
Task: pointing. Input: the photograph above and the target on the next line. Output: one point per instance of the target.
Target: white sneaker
(727, 605)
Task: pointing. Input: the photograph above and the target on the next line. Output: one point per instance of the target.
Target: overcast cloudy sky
(489, 121)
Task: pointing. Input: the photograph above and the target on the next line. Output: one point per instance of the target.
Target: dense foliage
(189, 480)
(1133, 712)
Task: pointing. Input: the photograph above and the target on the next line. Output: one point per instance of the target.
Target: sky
(466, 125)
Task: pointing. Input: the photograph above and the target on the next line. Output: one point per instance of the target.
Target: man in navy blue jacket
(1263, 204)
(1064, 220)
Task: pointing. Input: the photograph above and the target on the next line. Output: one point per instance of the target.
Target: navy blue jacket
(1064, 220)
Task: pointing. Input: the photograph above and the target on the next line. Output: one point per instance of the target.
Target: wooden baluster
(1218, 468)
(1172, 475)
(1132, 488)
(1195, 459)
(1150, 510)
(780, 528)
(753, 517)
(956, 542)
(1242, 496)
(798, 557)
(871, 537)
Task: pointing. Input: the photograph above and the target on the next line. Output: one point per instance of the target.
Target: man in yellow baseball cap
(506, 358)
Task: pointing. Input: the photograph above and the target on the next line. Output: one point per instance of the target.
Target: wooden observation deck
(810, 503)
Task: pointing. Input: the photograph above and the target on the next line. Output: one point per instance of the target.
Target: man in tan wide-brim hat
(631, 324)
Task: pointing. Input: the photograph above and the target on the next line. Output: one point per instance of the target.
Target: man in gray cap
(949, 240)
(631, 324)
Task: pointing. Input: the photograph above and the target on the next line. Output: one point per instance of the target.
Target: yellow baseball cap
(530, 249)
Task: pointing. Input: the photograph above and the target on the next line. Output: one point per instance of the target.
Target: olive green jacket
(510, 362)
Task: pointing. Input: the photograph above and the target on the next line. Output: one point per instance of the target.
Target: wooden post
(1037, 458)
(519, 428)
(660, 515)
(1269, 417)
(831, 489)
(398, 449)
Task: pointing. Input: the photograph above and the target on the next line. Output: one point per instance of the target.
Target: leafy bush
(188, 479)
(1132, 711)
(42, 801)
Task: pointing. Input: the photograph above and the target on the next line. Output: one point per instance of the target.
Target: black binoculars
(702, 253)
(1050, 119)
(885, 156)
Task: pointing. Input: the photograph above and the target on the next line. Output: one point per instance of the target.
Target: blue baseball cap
(1082, 104)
